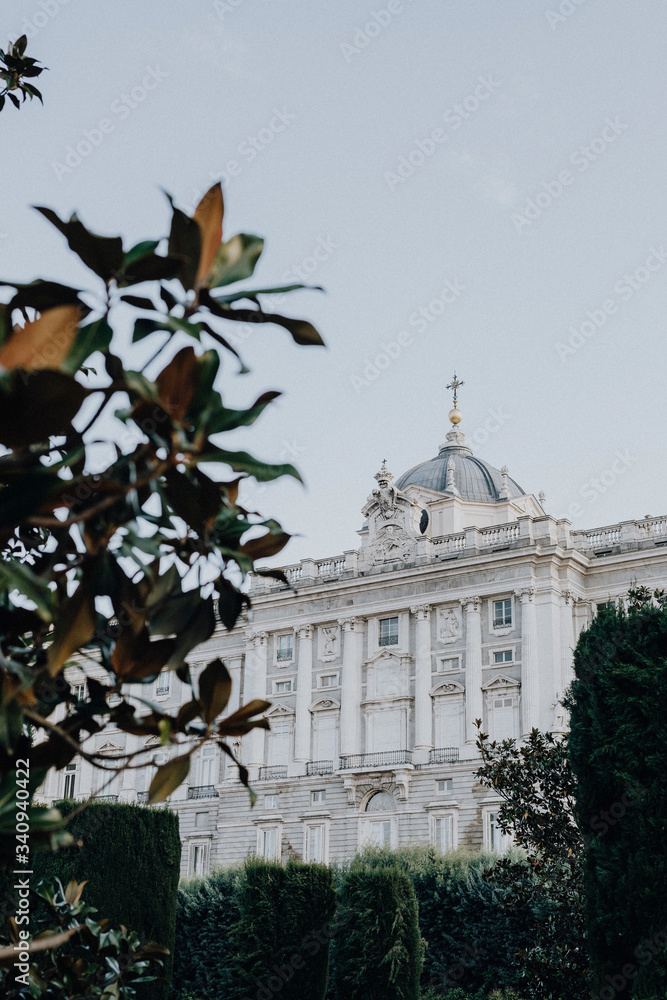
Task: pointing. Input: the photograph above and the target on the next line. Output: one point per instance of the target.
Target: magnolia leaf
(241, 461)
(235, 260)
(177, 383)
(43, 343)
(168, 777)
(73, 891)
(215, 687)
(42, 295)
(208, 216)
(93, 337)
(185, 242)
(102, 254)
(230, 602)
(266, 545)
(75, 624)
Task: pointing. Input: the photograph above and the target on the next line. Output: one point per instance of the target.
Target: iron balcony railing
(389, 759)
(444, 755)
(202, 792)
(106, 798)
(319, 767)
(276, 771)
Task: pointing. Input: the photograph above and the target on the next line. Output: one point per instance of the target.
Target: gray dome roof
(474, 478)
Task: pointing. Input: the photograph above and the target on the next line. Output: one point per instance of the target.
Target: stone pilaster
(423, 705)
(256, 654)
(350, 707)
(567, 642)
(304, 682)
(473, 609)
(530, 678)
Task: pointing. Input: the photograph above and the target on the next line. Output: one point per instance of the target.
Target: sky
(479, 187)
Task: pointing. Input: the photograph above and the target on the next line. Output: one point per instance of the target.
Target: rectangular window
(79, 691)
(285, 647)
(606, 606)
(70, 781)
(502, 725)
(207, 774)
(315, 843)
(497, 840)
(270, 844)
(502, 613)
(444, 786)
(199, 859)
(163, 684)
(329, 680)
(448, 665)
(381, 833)
(443, 832)
(271, 801)
(503, 657)
(201, 820)
(388, 632)
(283, 687)
(320, 795)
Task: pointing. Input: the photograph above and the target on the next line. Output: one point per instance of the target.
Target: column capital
(471, 604)
(349, 624)
(304, 630)
(568, 597)
(256, 638)
(525, 594)
(422, 612)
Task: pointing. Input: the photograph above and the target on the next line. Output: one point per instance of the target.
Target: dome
(456, 471)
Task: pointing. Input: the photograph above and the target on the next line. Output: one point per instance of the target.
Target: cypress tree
(618, 750)
(379, 950)
(205, 964)
(282, 937)
(130, 857)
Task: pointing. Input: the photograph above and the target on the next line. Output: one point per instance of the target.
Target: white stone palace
(463, 601)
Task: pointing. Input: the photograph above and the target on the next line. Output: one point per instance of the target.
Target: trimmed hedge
(379, 950)
(471, 938)
(282, 937)
(206, 916)
(618, 751)
(131, 857)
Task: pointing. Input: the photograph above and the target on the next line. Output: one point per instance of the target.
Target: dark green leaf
(35, 405)
(95, 336)
(102, 254)
(185, 243)
(215, 687)
(139, 301)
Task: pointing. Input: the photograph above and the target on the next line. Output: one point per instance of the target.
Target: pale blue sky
(334, 119)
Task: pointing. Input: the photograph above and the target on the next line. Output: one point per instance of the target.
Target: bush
(283, 934)
(206, 915)
(471, 939)
(618, 750)
(130, 857)
(379, 950)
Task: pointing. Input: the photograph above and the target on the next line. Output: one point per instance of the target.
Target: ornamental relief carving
(392, 544)
(329, 642)
(449, 625)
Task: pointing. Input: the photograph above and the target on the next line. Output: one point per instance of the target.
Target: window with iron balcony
(388, 632)
(285, 647)
(502, 613)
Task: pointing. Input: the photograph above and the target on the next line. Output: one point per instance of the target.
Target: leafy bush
(618, 750)
(283, 934)
(206, 915)
(379, 950)
(130, 857)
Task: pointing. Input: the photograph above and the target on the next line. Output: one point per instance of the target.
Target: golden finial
(455, 415)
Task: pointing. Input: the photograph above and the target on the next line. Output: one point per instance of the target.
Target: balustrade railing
(319, 767)
(390, 759)
(444, 755)
(202, 792)
(275, 771)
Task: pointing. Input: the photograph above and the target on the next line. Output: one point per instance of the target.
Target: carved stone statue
(449, 625)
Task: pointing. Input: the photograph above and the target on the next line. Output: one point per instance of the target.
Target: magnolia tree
(16, 69)
(99, 565)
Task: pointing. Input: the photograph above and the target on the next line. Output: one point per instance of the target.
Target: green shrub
(471, 939)
(379, 950)
(206, 916)
(130, 857)
(283, 934)
(618, 751)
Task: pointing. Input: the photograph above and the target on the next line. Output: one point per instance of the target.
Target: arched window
(381, 832)
(381, 802)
